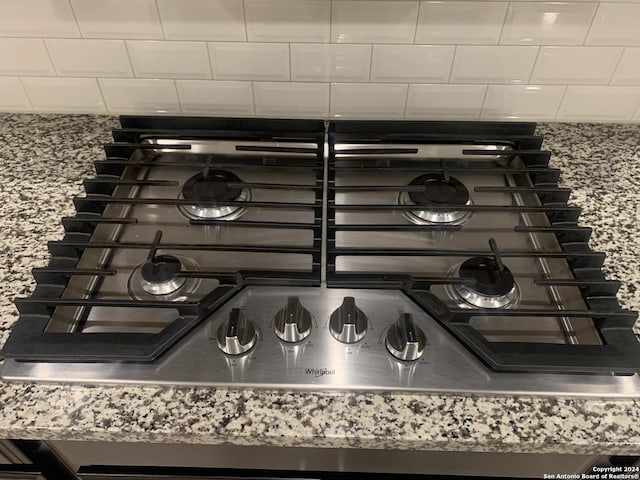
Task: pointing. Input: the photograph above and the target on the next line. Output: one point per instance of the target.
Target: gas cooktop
(406, 256)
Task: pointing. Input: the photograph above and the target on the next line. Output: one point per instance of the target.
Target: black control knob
(293, 322)
(405, 340)
(237, 334)
(348, 323)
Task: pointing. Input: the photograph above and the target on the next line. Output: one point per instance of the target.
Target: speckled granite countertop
(43, 161)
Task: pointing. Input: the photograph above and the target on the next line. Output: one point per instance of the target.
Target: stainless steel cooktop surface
(442, 259)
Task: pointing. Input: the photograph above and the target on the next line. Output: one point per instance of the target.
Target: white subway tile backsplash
(24, 56)
(49, 94)
(544, 23)
(118, 18)
(250, 61)
(139, 95)
(12, 96)
(616, 24)
(161, 59)
(460, 22)
(286, 99)
(89, 58)
(330, 63)
(517, 102)
(493, 64)
(576, 65)
(455, 59)
(373, 21)
(215, 97)
(37, 18)
(599, 103)
(411, 63)
(460, 102)
(214, 20)
(368, 100)
(288, 20)
(628, 71)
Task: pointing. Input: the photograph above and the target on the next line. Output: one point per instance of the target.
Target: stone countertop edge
(46, 157)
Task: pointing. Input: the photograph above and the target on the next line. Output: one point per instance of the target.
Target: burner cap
(206, 189)
(212, 188)
(490, 280)
(439, 191)
(159, 275)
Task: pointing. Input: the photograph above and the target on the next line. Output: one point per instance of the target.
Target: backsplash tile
(288, 20)
(411, 63)
(547, 23)
(599, 103)
(460, 23)
(79, 95)
(499, 64)
(12, 96)
(212, 97)
(140, 95)
(628, 71)
(24, 56)
(291, 99)
(456, 59)
(373, 21)
(330, 63)
(37, 18)
(250, 61)
(367, 100)
(118, 18)
(517, 102)
(73, 57)
(616, 24)
(214, 20)
(152, 59)
(576, 65)
(459, 102)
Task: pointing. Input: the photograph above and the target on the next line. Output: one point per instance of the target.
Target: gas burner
(159, 275)
(439, 190)
(213, 186)
(158, 278)
(493, 287)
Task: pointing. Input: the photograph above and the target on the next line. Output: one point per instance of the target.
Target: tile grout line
(104, 102)
(415, 30)
(244, 21)
(591, 23)
(209, 60)
(26, 93)
(75, 18)
(126, 47)
(155, 3)
(484, 99)
(564, 95)
(615, 69)
(504, 23)
(46, 49)
(535, 63)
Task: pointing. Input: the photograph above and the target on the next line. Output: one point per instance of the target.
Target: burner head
(213, 187)
(438, 191)
(494, 288)
(159, 275)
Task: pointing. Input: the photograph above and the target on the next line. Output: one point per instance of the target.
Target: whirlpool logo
(320, 372)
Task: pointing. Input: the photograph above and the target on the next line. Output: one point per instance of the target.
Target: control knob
(348, 323)
(293, 322)
(405, 340)
(237, 334)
